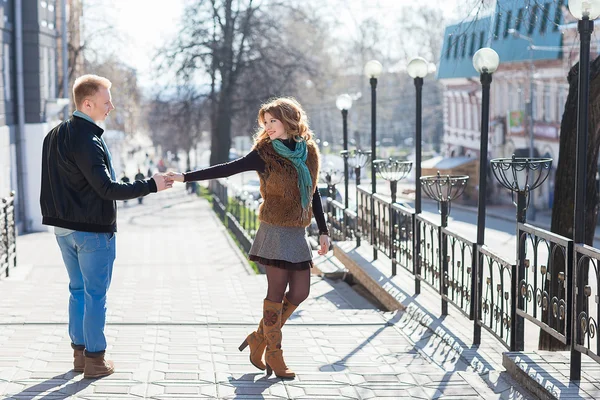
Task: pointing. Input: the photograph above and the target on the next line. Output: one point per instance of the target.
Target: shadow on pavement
(56, 382)
(248, 385)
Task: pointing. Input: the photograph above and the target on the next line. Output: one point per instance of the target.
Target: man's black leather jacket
(77, 190)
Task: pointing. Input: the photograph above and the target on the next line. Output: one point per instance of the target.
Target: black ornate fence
(8, 235)
(238, 212)
(550, 281)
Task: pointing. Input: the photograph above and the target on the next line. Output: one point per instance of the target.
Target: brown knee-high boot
(272, 332)
(256, 339)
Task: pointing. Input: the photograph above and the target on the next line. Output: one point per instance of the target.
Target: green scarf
(298, 158)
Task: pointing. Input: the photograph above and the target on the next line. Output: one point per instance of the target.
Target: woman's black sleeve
(318, 213)
(250, 162)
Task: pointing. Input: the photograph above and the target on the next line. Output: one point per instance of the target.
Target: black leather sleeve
(250, 162)
(90, 158)
(317, 207)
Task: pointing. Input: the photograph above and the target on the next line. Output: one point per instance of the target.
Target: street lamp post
(343, 103)
(331, 177)
(373, 69)
(520, 176)
(444, 189)
(417, 69)
(486, 62)
(530, 107)
(585, 11)
(358, 160)
(393, 171)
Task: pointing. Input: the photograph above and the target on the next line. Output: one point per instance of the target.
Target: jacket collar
(87, 125)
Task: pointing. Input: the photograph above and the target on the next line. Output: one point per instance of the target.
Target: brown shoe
(272, 332)
(256, 339)
(78, 360)
(97, 367)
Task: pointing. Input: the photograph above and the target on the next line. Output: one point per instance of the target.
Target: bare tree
(235, 44)
(175, 122)
(125, 92)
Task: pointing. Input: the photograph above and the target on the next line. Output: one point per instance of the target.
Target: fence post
(393, 230)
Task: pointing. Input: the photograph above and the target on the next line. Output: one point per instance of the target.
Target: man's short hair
(88, 85)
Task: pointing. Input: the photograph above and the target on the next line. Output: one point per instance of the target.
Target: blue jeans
(89, 258)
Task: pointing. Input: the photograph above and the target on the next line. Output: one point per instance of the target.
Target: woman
(287, 161)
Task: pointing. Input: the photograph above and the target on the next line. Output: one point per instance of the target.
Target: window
(464, 45)
(44, 4)
(50, 8)
(44, 70)
(481, 39)
(497, 26)
(519, 20)
(468, 116)
(563, 91)
(547, 104)
(51, 74)
(545, 16)
(532, 19)
(449, 47)
(508, 21)
(472, 50)
(475, 115)
(452, 112)
(558, 14)
(456, 47)
(6, 70)
(44, 23)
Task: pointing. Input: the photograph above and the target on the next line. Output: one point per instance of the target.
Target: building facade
(27, 100)
(531, 80)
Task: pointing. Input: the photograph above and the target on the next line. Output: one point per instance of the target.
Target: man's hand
(176, 176)
(162, 181)
(325, 243)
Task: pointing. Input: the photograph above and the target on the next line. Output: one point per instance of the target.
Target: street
(183, 298)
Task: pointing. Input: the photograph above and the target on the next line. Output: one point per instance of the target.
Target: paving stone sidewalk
(182, 300)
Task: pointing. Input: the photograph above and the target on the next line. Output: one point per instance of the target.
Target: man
(139, 177)
(78, 194)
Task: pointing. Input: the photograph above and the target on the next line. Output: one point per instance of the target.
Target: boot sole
(287, 378)
(97, 375)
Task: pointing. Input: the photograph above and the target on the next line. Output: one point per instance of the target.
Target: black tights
(278, 280)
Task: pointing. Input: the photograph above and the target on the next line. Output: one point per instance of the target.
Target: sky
(147, 24)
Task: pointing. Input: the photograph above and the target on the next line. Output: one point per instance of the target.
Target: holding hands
(163, 181)
(175, 176)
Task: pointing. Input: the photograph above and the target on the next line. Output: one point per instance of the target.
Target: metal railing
(496, 299)
(458, 277)
(403, 220)
(8, 235)
(586, 277)
(551, 281)
(342, 222)
(238, 211)
(546, 278)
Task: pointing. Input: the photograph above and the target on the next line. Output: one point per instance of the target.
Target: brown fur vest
(279, 187)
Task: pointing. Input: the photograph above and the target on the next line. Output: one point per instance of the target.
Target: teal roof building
(535, 19)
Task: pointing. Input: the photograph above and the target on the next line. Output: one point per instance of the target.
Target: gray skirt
(281, 246)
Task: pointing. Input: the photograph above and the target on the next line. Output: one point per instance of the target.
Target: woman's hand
(325, 243)
(176, 176)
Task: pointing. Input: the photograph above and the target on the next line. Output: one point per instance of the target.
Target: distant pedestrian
(140, 177)
(125, 179)
(78, 193)
(287, 161)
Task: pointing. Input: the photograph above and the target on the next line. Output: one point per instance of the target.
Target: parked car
(252, 187)
(324, 192)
